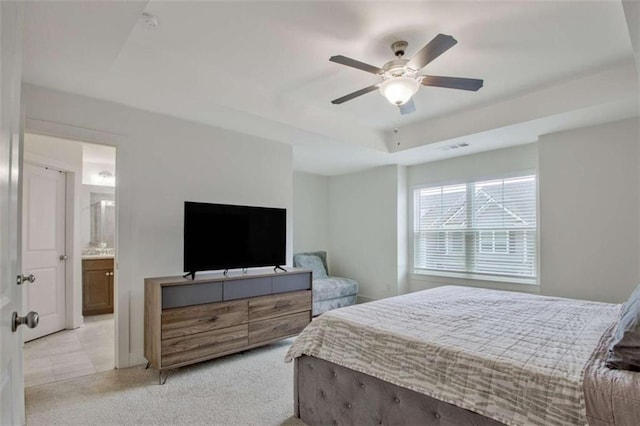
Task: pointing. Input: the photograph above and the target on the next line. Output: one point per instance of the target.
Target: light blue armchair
(328, 292)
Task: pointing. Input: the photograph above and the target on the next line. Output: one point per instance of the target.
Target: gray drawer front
(293, 282)
(191, 294)
(239, 289)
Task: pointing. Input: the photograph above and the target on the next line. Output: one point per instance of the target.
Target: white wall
(461, 169)
(632, 15)
(162, 162)
(310, 212)
(363, 223)
(402, 228)
(589, 212)
(66, 156)
(484, 164)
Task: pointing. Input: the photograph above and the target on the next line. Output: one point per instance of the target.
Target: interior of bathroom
(98, 227)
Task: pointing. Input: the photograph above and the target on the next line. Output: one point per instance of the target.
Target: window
(486, 227)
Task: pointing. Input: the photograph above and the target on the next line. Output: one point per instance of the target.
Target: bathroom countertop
(97, 256)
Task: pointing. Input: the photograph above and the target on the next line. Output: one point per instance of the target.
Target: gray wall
(364, 229)
(338, 214)
(589, 212)
(310, 212)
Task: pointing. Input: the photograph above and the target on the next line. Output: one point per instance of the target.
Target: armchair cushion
(313, 262)
(316, 261)
(333, 287)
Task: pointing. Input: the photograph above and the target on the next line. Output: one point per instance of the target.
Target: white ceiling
(262, 67)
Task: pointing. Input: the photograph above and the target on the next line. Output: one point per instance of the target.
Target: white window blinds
(486, 227)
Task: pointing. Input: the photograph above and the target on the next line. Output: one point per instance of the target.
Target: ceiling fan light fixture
(401, 78)
(399, 90)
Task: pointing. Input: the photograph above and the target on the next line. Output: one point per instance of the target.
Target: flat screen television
(222, 236)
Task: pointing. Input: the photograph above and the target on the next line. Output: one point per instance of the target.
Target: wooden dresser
(97, 286)
(188, 321)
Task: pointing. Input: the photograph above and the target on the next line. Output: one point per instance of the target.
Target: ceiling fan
(401, 78)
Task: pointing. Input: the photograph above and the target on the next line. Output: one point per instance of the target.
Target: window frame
(474, 275)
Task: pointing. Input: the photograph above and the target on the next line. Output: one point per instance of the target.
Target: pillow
(624, 349)
(309, 261)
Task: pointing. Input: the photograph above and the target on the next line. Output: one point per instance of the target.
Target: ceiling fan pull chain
(396, 129)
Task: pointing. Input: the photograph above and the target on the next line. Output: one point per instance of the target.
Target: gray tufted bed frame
(504, 357)
(328, 394)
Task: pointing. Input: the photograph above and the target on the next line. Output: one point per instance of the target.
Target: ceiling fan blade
(453, 82)
(436, 47)
(408, 107)
(355, 94)
(343, 60)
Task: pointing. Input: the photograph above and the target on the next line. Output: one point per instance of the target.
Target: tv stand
(192, 274)
(189, 320)
(275, 269)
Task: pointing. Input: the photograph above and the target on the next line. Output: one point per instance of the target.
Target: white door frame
(73, 312)
(121, 300)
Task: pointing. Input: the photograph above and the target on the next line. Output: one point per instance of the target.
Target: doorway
(81, 339)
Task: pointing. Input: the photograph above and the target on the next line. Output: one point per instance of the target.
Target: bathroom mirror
(103, 220)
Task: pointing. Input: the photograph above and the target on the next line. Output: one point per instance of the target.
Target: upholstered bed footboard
(328, 394)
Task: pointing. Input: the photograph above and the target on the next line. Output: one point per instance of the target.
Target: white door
(43, 247)
(11, 372)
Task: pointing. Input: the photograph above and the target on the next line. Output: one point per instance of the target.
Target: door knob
(63, 257)
(31, 320)
(22, 278)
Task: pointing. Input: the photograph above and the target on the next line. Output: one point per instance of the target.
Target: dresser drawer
(252, 287)
(200, 318)
(194, 347)
(279, 304)
(293, 282)
(262, 331)
(191, 294)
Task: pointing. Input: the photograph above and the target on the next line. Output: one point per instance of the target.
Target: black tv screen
(222, 236)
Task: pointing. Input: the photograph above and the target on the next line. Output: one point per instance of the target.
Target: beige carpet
(253, 388)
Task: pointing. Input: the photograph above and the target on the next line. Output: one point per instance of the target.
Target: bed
(458, 355)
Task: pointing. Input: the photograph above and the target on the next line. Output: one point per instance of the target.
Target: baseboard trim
(136, 358)
(365, 299)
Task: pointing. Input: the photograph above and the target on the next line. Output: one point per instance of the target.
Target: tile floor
(71, 353)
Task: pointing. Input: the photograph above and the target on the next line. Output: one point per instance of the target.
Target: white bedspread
(513, 357)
